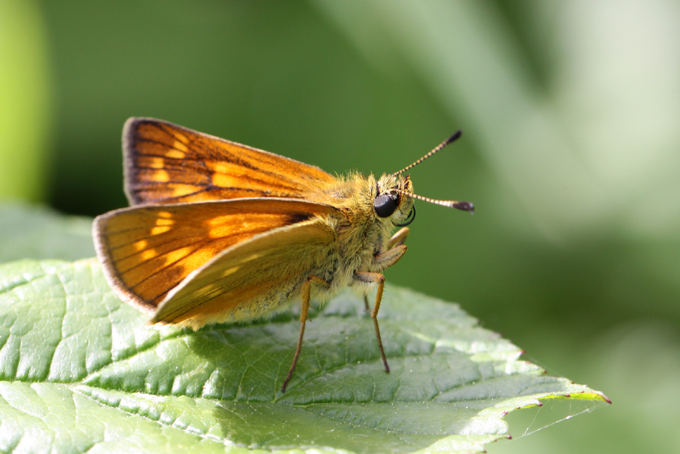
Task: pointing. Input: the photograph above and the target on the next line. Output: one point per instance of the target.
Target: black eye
(411, 217)
(384, 205)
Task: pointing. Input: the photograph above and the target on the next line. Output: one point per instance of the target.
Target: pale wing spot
(199, 257)
(225, 181)
(180, 146)
(179, 190)
(160, 229)
(181, 137)
(231, 270)
(161, 175)
(252, 257)
(217, 221)
(164, 214)
(148, 255)
(220, 231)
(225, 174)
(219, 227)
(224, 167)
(140, 245)
(156, 163)
(178, 254)
(164, 221)
(172, 153)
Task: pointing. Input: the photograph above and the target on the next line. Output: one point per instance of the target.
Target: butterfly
(221, 232)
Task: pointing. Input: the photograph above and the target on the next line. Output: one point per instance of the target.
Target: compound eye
(384, 205)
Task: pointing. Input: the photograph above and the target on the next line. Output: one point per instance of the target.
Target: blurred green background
(571, 152)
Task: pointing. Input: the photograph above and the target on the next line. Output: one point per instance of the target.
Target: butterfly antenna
(451, 139)
(465, 206)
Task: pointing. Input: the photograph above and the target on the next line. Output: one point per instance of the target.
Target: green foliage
(40, 233)
(82, 371)
(26, 107)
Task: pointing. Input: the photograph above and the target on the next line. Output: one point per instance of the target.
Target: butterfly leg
(372, 278)
(306, 297)
(388, 258)
(383, 259)
(398, 238)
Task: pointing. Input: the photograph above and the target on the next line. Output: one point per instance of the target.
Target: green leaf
(40, 233)
(82, 371)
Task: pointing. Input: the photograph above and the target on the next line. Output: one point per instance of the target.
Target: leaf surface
(82, 371)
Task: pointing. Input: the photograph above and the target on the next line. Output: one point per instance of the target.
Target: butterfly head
(394, 199)
(394, 195)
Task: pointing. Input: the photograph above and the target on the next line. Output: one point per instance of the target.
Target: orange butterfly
(222, 232)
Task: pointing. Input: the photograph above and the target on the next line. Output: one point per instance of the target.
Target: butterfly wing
(250, 279)
(149, 250)
(166, 163)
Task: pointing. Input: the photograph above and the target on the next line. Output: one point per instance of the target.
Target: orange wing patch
(147, 251)
(166, 163)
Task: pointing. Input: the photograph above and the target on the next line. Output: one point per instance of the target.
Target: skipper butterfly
(222, 232)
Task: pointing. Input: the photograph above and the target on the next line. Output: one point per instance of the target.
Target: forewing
(251, 279)
(147, 251)
(166, 163)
